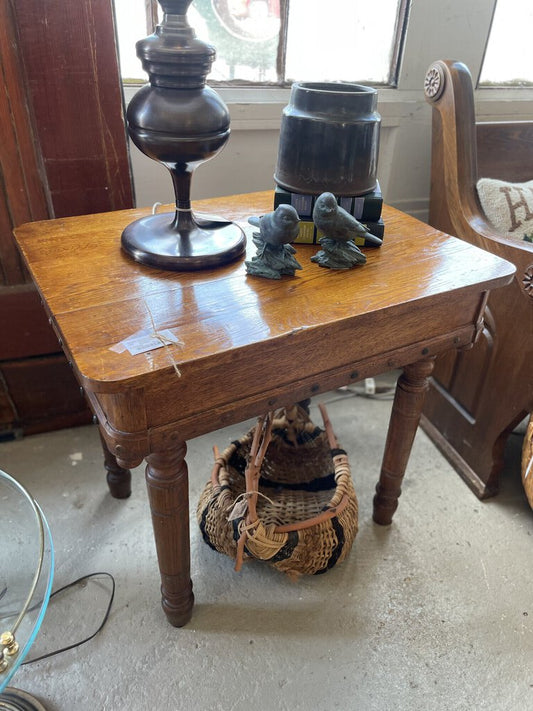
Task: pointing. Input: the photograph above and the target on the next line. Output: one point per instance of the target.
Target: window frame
(400, 32)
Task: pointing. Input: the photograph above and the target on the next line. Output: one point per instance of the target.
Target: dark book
(363, 207)
(309, 234)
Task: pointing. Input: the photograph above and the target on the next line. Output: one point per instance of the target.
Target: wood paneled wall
(63, 152)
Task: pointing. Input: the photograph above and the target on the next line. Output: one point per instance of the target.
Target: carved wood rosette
(527, 281)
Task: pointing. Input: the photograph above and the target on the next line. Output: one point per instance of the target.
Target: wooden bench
(477, 397)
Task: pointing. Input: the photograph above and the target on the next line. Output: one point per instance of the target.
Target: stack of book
(365, 208)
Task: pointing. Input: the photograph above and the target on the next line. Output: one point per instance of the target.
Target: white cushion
(508, 207)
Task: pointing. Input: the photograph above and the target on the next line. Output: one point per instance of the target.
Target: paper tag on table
(146, 340)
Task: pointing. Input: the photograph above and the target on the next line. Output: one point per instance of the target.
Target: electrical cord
(101, 626)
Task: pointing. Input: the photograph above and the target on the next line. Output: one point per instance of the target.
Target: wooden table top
(98, 296)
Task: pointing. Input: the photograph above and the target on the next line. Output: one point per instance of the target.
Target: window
(509, 53)
(278, 41)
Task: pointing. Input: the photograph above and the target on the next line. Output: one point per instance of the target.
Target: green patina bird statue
(275, 256)
(339, 250)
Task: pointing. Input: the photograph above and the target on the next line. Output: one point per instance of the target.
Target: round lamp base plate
(204, 244)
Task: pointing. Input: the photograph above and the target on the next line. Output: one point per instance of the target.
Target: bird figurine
(278, 227)
(275, 256)
(339, 228)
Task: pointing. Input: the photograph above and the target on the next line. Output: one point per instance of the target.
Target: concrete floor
(434, 612)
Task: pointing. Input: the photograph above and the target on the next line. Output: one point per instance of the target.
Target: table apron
(132, 445)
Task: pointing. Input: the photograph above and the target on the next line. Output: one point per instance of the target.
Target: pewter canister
(329, 139)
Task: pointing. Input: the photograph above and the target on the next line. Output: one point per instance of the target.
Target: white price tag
(146, 340)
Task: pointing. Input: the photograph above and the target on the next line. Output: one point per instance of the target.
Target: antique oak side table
(247, 344)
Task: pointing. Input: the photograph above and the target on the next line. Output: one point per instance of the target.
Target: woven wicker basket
(282, 494)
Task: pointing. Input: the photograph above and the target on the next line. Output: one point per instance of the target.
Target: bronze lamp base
(180, 122)
(198, 242)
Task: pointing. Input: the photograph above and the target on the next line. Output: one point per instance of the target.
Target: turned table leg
(405, 416)
(168, 492)
(118, 478)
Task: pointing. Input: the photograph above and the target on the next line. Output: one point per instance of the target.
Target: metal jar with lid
(329, 139)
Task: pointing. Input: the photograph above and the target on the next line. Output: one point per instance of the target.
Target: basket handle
(216, 467)
(342, 466)
(260, 442)
(333, 443)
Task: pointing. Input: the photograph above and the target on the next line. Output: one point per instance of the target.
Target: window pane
(343, 40)
(244, 33)
(350, 40)
(509, 55)
(131, 26)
